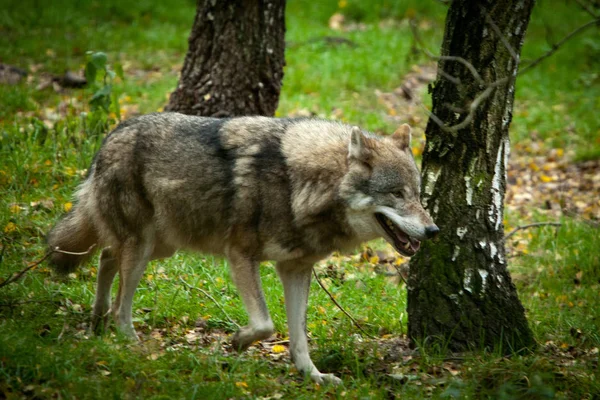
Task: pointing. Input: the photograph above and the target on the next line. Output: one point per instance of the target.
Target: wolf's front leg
(295, 277)
(246, 276)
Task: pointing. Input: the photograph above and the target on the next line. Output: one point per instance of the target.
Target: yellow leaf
(15, 209)
(374, 260)
(241, 384)
(546, 178)
(70, 171)
(399, 261)
(342, 3)
(322, 310)
(67, 206)
(534, 167)
(560, 152)
(278, 348)
(10, 227)
(417, 151)
(48, 162)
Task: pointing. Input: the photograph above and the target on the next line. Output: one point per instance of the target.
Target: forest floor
(49, 133)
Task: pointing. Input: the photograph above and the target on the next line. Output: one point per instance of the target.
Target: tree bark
(460, 294)
(234, 64)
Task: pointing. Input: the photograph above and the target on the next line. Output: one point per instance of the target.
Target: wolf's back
(74, 233)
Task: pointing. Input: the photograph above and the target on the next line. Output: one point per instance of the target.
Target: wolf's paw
(99, 323)
(242, 339)
(129, 333)
(247, 335)
(325, 379)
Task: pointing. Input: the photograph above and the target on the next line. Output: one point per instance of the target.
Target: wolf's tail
(74, 233)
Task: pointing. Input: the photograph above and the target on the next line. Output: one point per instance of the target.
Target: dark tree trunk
(460, 292)
(234, 64)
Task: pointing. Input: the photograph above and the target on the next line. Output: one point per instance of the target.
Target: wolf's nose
(431, 231)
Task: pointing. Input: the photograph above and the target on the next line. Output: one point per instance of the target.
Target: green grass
(47, 140)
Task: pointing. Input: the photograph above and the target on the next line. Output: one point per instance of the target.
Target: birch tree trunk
(460, 292)
(234, 64)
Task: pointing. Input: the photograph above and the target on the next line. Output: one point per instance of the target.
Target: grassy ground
(46, 143)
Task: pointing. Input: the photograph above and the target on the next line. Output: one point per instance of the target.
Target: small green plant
(97, 67)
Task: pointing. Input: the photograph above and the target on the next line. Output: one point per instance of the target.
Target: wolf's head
(382, 190)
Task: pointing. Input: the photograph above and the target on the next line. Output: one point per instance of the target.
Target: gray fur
(250, 189)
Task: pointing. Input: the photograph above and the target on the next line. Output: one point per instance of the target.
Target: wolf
(249, 189)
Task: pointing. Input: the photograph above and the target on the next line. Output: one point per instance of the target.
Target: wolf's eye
(397, 194)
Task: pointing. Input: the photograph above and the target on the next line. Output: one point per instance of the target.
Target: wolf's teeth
(389, 223)
(407, 246)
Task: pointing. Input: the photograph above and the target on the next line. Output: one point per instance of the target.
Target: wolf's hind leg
(107, 270)
(133, 258)
(246, 276)
(296, 277)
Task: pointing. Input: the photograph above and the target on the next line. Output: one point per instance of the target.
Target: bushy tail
(73, 233)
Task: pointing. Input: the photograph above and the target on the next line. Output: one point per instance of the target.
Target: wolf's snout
(431, 231)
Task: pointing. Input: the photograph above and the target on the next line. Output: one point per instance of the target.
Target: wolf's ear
(402, 137)
(358, 149)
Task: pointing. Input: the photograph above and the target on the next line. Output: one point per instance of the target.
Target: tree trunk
(460, 294)
(234, 64)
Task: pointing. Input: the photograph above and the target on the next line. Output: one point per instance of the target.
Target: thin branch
(429, 54)
(451, 78)
(400, 275)
(18, 303)
(204, 292)
(475, 104)
(521, 227)
(340, 307)
(489, 88)
(587, 8)
(472, 108)
(557, 45)
(17, 275)
(433, 117)
(502, 38)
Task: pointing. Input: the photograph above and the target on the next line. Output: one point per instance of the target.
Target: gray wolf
(249, 189)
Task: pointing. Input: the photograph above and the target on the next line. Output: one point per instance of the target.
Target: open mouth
(403, 243)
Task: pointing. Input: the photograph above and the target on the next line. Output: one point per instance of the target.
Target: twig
(429, 54)
(400, 275)
(475, 104)
(204, 292)
(472, 108)
(18, 303)
(489, 88)
(340, 307)
(521, 227)
(451, 78)
(587, 8)
(285, 341)
(502, 38)
(556, 46)
(16, 276)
